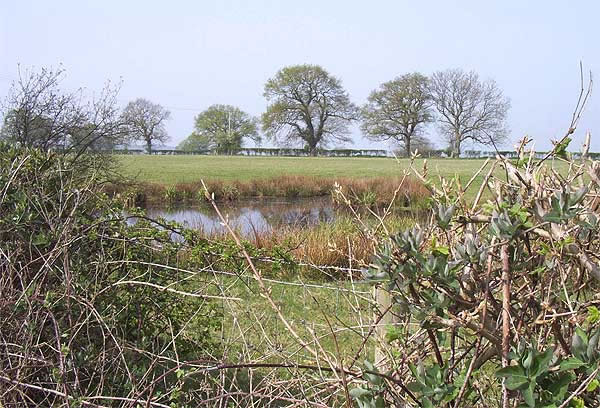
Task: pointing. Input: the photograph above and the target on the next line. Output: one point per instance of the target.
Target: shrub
(90, 306)
(498, 302)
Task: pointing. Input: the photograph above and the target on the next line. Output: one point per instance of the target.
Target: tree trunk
(456, 149)
(149, 146)
(407, 146)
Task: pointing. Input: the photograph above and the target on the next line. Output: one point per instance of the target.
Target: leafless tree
(398, 111)
(38, 113)
(307, 104)
(145, 121)
(469, 109)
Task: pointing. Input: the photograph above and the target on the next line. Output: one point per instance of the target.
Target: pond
(251, 217)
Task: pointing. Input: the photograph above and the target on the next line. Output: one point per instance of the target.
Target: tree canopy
(309, 105)
(398, 110)
(222, 128)
(145, 121)
(469, 109)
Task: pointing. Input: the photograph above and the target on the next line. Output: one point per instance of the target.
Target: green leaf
(593, 385)
(415, 386)
(572, 363)
(527, 362)
(579, 343)
(510, 371)
(40, 239)
(393, 333)
(542, 362)
(593, 345)
(516, 383)
(528, 395)
(515, 377)
(442, 250)
(559, 385)
(560, 149)
(359, 392)
(577, 403)
(426, 403)
(593, 314)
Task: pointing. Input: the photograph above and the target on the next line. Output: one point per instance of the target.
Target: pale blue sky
(187, 55)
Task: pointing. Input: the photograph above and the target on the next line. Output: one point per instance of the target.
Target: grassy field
(285, 176)
(170, 170)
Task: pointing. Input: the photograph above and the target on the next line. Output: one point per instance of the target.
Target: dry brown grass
(333, 246)
(368, 191)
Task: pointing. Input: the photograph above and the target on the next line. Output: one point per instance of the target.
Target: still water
(251, 217)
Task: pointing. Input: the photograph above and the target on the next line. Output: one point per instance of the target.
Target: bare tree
(307, 104)
(398, 111)
(38, 113)
(145, 121)
(469, 109)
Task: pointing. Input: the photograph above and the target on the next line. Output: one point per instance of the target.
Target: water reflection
(252, 217)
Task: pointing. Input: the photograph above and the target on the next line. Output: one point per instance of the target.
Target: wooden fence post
(383, 299)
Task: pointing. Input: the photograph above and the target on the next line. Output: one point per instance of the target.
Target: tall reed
(370, 191)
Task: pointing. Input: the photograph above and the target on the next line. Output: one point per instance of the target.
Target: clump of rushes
(340, 244)
(371, 191)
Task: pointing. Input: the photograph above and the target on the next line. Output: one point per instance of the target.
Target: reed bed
(368, 191)
(339, 247)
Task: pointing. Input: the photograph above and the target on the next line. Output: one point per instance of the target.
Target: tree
(37, 113)
(469, 109)
(145, 121)
(398, 111)
(222, 128)
(307, 104)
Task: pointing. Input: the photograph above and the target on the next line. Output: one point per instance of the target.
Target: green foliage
(533, 378)
(94, 299)
(565, 205)
(222, 128)
(444, 215)
(431, 384)
(560, 148)
(448, 281)
(398, 111)
(371, 395)
(308, 105)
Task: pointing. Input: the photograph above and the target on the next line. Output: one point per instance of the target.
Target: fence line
(291, 152)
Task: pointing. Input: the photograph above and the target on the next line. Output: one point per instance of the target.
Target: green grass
(170, 170)
(305, 307)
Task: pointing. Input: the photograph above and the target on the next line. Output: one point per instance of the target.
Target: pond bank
(368, 191)
(310, 230)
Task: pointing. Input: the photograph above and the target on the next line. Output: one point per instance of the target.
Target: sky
(188, 55)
